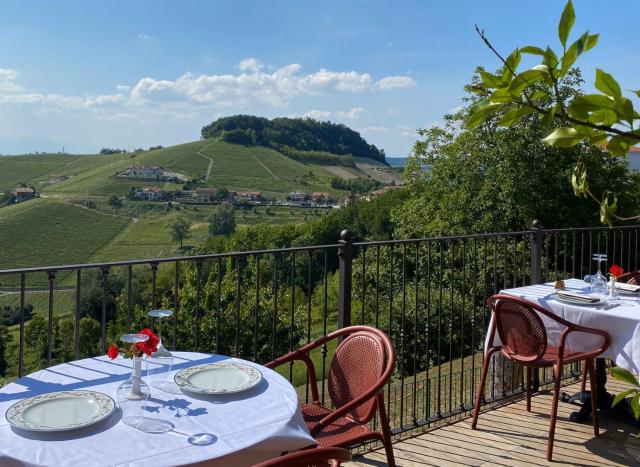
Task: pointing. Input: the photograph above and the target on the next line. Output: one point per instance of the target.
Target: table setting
(142, 403)
(593, 302)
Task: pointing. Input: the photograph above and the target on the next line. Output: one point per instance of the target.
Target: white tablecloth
(622, 322)
(249, 427)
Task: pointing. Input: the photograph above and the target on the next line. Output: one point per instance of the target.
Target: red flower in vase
(113, 352)
(151, 345)
(616, 271)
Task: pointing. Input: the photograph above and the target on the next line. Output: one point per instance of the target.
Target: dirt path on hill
(265, 167)
(210, 166)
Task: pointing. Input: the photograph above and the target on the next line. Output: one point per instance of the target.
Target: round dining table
(241, 429)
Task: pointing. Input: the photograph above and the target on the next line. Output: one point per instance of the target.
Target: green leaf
(603, 117)
(590, 42)
(584, 43)
(622, 395)
(619, 145)
(547, 119)
(607, 84)
(532, 50)
(501, 95)
(598, 138)
(637, 93)
(512, 62)
(539, 94)
(635, 406)
(524, 80)
(514, 116)
(550, 58)
(480, 111)
(565, 137)
(579, 179)
(566, 23)
(489, 80)
(624, 107)
(608, 207)
(581, 106)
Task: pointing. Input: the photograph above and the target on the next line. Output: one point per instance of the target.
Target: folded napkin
(577, 296)
(627, 287)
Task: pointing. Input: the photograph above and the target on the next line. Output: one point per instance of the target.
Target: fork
(608, 306)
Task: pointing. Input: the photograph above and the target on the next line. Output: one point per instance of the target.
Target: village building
(297, 196)
(22, 194)
(150, 194)
(206, 195)
(147, 172)
(320, 197)
(250, 196)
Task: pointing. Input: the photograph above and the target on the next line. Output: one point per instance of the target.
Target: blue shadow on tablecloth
(35, 387)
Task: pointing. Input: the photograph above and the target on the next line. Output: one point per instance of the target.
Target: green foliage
(10, 315)
(605, 119)
(222, 221)
(296, 133)
(179, 229)
(318, 157)
(492, 178)
(356, 185)
(239, 136)
(628, 377)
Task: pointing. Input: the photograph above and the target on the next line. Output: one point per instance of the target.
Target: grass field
(64, 301)
(44, 232)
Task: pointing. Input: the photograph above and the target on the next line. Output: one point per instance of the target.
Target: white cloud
(353, 114)
(123, 87)
(146, 37)
(250, 64)
(396, 82)
(7, 81)
(317, 114)
(373, 130)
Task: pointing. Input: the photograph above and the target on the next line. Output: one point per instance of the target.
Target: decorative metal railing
(428, 294)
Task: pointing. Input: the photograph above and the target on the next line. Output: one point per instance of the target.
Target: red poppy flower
(113, 352)
(151, 345)
(616, 271)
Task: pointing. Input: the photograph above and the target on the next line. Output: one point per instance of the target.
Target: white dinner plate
(60, 411)
(576, 301)
(218, 378)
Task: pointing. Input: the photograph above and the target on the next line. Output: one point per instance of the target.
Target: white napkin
(627, 287)
(577, 296)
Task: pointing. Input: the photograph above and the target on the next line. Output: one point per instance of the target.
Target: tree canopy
(301, 134)
(490, 178)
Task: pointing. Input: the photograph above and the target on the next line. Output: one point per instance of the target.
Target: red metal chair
(630, 278)
(362, 365)
(524, 340)
(318, 457)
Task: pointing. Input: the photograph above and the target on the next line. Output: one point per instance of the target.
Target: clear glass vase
(133, 395)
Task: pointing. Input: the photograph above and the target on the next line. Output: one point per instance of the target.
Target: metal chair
(630, 278)
(524, 340)
(362, 365)
(318, 457)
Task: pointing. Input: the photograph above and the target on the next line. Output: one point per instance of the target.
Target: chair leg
(594, 397)
(386, 432)
(483, 380)
(528, 389)
(557, 370)
(584, 377)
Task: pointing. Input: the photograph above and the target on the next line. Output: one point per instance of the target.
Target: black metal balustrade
(428, 294)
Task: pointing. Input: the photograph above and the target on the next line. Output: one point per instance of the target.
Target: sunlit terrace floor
(509, 436)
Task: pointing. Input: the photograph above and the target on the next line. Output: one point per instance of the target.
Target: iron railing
(428, 294)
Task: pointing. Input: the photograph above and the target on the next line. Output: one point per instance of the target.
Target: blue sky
(85, 75)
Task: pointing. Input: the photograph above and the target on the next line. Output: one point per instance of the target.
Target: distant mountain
(295, 137)
(396, 161)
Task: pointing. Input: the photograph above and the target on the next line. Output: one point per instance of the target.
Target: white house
(148, 172)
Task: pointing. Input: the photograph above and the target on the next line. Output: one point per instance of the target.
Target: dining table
(619, 317)
(241, 428)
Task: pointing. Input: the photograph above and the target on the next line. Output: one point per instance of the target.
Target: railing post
(536, 252)
(536, 277)
(345, 255)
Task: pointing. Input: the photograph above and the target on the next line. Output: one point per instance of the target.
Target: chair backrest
(358, 364)
(521, 330)
(630, 278)
(318, 457)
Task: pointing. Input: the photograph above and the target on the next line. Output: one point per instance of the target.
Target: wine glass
(599, 281)
(160, 363)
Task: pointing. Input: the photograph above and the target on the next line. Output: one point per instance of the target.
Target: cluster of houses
(203, 195)
(318, 198)
(145, 172)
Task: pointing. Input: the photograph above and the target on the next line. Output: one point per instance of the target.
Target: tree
(114, 201)
(222, 221)
(5, 340)
(489, 178)
(606, 118)
(90, 337)
(179, 229)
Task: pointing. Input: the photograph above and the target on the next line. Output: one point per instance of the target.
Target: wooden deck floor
(510, 436)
